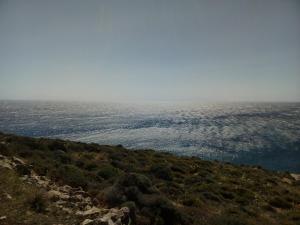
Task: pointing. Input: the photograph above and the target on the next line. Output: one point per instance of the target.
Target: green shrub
(112, 196)
(29, 142)
(227, 195)
(107, 172)
(80, 163)
(129, 187)
(192, 201)
(294, 215)
(55, 145)
(280, 203)
(73, 176)
(243, 196)
(143, 183)
(179, 168)
(88, 156)
(38, 202)
(170, 215)
(4, 150)
(24, 153)
(23, 169)
(162, 171)
(62, 157)
(211, 196)
(118, 155)
(91, 166)
(227, 219)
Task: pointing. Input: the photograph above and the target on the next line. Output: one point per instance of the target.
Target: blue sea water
(266, 134)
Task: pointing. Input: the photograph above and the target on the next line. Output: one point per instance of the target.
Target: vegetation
(22, 203)
(159, 188)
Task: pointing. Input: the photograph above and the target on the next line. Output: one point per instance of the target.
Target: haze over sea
(266, 134)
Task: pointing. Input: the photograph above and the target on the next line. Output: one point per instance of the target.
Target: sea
(264, 134)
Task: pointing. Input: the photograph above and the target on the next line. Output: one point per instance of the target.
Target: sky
(150, 50)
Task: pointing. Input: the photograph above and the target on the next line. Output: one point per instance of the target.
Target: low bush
(108, 172)
(179, 168)
(23, 170)
(227, 195)
(211, 196)
(38, 202)
(227, 219)
(62, 157)
(142, 182)
(55, 145)
(193, 201)
(128, 187)
(162, 171)
(243, 196)
(80, 163)
(170, 215)
(91, 166)
(280, 203)
(73, 176)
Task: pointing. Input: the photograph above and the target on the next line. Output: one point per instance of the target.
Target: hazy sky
(150, 50)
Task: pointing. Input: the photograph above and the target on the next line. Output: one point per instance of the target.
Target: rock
(125, 210)
(3, 218)
(68, 210)
(296, 176)
(104, 221)
(115, 214)
(125, 219)
(88, 207)
(286, 180)
(55, 195)
(40, 180)
(118, 222)
(60, 202)
(18, 161)
(87, 221)
(43, 183)
(88, 199)
(95, 201)
(76, 198)
(66, 188)
(7, 196)
(92, 211)
(23, 178)
(115, 217)
(66, 198)
(5, 164)
(77, 189)
(80, 192)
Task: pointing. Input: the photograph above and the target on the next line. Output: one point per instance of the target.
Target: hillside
(46, 181)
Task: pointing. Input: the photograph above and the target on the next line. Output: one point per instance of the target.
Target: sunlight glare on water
(266, 134)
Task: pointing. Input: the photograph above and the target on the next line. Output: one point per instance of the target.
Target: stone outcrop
(73, 201)
(87, 221)
(112, 217)
(296, 176)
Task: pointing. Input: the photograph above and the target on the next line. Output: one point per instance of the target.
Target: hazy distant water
(250, 133)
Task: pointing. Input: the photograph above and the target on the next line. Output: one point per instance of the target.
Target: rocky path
(73, 201)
